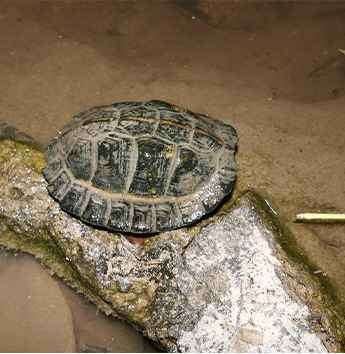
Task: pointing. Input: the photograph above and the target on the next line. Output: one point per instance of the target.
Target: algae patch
(29, 155)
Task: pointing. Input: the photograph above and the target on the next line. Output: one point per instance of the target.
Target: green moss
(148, 242)
(133, 307)
(258, 157)
(22, 150)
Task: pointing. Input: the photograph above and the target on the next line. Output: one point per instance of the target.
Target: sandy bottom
(271, 69)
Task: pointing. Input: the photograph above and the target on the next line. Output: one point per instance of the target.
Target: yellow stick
(320, 216)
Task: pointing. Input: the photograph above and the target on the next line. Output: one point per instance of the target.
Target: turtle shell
(141, 167)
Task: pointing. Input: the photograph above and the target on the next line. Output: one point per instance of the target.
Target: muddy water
(271, 69)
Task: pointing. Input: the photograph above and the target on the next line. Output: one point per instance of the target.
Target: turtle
(141, 167)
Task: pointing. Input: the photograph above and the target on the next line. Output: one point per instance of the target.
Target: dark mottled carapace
(141, 167)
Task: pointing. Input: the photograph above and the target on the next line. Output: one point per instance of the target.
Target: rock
(239, 293)
(222, 285)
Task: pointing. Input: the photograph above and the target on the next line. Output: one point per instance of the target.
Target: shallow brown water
(40, 313)
(271, 69)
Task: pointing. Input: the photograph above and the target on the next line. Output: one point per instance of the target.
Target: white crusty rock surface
(243, 305)
(221, 286)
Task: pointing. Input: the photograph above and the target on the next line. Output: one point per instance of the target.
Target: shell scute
(190, 210)
(53, 169)
(161, 106)
(192, 171)
(177, 120)
(95, 211)
(98, 127)
(120, 215)
(74, 199)
(152, 168)
(52, 151)
(173, 132)
(78, 159)
(227, 164)
(135, 126)
(113, 164)
(69, 139)
(140, 111)
(204, 141)
(228, 134)
(59, 185)
(143, 218)
(210, 197)
(167, 216)
(124, 105)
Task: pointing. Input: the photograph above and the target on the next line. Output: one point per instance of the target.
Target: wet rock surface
(220, 286)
